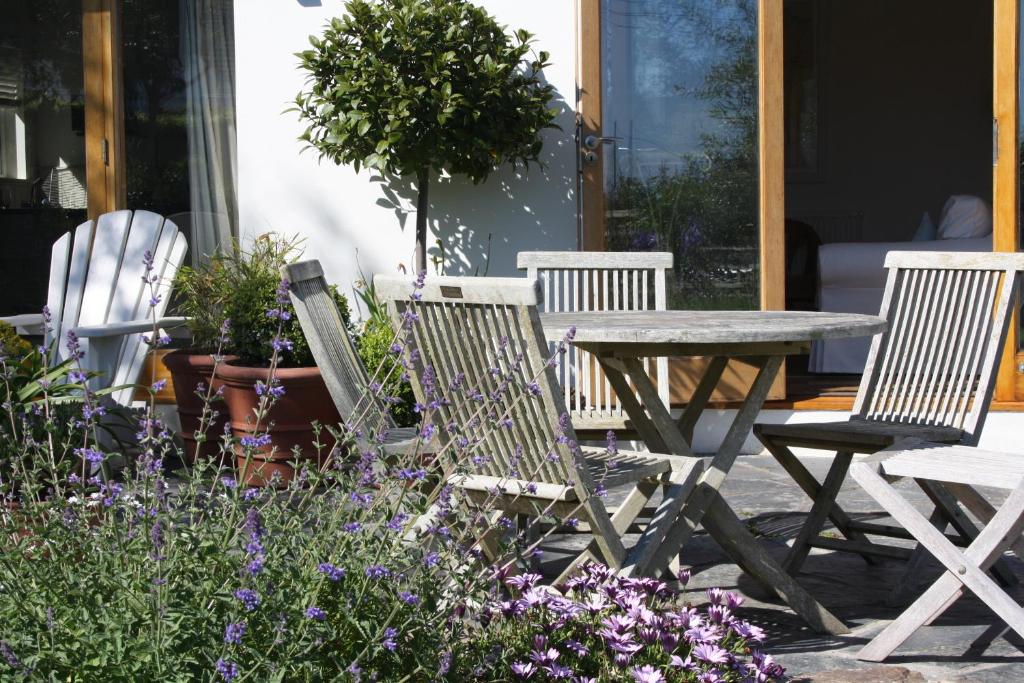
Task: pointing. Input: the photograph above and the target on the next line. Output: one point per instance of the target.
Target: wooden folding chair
(347, 379)
(930, 376)
(506, 441)
(957, 470)
(599, 281)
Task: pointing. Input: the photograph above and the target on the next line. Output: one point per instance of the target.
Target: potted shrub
(261, 325)
(201, 293)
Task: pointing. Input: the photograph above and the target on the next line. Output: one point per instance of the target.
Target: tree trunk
(422, 202)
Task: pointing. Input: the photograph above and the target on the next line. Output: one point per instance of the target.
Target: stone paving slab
(967, 644)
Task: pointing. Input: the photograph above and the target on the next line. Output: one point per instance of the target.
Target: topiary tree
(414, 87)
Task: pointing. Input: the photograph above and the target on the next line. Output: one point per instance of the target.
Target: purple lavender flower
(409, 598)
(315, 613)
(431, 559)
(234, 632)
(250, 598)
(228, 482)
(227, 669)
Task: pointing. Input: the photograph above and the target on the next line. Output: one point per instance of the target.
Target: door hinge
(105, 151)
(995, 141)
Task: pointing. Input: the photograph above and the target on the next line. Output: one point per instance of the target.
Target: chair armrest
(31, 323)
(127, 327)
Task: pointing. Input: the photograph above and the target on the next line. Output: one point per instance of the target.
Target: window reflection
(680, 102)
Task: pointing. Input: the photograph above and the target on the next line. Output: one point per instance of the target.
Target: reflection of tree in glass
(703, 207)
(43, 39)
(155, 134)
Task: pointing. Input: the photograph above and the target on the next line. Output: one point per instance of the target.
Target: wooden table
(621, 339)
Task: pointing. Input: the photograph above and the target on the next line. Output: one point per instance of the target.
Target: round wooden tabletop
(709, 327)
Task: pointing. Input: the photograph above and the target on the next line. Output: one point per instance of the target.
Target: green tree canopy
(410, 87)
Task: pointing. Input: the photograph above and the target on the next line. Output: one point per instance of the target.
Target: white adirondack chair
(599, 281)
(96, 289)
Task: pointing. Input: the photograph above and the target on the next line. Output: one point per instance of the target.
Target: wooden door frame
(771, 150)
(103, 73)
(1005, 170)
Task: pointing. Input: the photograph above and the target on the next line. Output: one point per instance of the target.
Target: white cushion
(963, 217)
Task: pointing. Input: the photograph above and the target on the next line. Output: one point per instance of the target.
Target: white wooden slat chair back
(96, 278)
(599, 281)
(948, 317)
(342, 369)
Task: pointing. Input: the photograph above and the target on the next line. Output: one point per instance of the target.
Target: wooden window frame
(103, 74)
(771, 166)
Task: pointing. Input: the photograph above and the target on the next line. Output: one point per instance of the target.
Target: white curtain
(208, 56)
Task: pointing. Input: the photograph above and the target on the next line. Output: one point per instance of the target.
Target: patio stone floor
(968, 643)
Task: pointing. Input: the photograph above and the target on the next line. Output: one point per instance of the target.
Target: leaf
(364, 126)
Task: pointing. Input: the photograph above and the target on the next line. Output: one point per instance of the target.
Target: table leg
(687, 422)
(732, 535)
(718, 469)
(638, 415)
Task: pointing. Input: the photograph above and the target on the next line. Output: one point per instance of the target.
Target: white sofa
(851, 280)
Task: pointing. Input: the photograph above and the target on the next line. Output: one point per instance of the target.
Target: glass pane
(42, 143)
(680, 107)
(179, 108)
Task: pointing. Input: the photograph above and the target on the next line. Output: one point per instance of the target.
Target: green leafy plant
(240, 287)
(201, 295)
(414, 87)
(11, 344)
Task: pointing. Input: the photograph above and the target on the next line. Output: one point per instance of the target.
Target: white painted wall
(342, 213)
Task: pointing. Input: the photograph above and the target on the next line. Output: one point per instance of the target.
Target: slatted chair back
(342, 369)
(96, 278)
(599, 281)
(948, 316)
(480, 344)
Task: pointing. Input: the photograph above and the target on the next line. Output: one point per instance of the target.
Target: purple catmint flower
(315, 613)
(156, 537)
(73, 346)
(257, 441)
(533, 388)
(90, 454)
(147, 261)
(352, 527)
(431, 559)
(228, 482)
(8, 654)
(409, 598)
(377, 571)
(234, 632)
(280, 345)
(47, 315)
(250, 598)
(227, 669)
(388, 641)
(411, 474)
(332, 572)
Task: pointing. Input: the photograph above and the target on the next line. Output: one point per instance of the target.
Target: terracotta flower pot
(289, 424)
(188, 369)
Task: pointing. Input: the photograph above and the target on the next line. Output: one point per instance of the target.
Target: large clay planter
(306, 400)
(188, 369)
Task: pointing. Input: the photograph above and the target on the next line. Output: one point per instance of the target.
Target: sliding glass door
(43, 184)
(681, 150)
